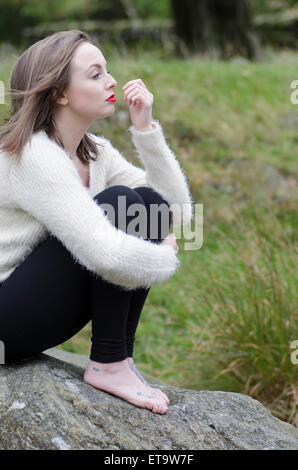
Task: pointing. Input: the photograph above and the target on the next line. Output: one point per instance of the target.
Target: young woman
(64, 260)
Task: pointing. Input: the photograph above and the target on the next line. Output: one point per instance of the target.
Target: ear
(61, 100)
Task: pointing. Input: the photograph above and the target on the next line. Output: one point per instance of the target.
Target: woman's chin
(106, 114)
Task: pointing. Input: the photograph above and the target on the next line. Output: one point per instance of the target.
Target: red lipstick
(112, 99)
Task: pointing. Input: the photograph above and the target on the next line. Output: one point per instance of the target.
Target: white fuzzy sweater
(43, 193)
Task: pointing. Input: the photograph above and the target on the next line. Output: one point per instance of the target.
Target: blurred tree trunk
(222, 26)
(130, 10)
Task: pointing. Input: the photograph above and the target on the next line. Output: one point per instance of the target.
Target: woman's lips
(112, 99)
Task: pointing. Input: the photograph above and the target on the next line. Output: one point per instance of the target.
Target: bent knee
(111, 201)
(131, 195)
(150, 195)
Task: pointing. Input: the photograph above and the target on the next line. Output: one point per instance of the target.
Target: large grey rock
(45, 404)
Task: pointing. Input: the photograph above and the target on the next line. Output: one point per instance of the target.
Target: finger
(131, 95)
(141, 98)
(139, 95)
(137, 87)
(147, 98)
(131, 82)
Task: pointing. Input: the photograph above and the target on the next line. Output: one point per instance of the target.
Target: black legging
(49, 297)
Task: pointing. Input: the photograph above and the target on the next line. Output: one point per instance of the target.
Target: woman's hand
(171, 240)
(140, 101)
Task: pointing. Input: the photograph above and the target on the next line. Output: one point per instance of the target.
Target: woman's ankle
(111, 367)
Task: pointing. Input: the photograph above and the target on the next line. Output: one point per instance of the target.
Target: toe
(162, 406)
(157, 407)
(149, 405)
(164, 409)
(163, 395)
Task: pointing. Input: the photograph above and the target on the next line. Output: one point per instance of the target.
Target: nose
(113, 83)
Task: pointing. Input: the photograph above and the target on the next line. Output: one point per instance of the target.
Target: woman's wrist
(148, 128)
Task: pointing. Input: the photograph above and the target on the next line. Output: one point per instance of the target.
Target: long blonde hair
(40, 72)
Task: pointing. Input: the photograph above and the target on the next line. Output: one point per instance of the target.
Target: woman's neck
(71, 130)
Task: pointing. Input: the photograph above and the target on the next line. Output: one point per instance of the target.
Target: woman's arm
(162, 171)
(45, 184)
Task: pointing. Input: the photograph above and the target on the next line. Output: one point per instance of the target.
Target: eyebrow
(95, 65)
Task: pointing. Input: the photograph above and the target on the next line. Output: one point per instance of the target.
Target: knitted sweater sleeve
(46, 184)
(162, 171)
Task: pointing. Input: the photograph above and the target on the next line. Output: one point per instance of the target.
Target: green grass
(225, 321)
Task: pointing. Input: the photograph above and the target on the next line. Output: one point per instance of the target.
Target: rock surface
(45, 404)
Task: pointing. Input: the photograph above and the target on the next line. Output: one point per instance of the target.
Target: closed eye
(95, 76)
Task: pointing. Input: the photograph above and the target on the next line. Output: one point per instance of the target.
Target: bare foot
(119, 379)
(132, 364)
